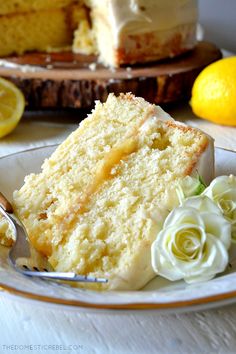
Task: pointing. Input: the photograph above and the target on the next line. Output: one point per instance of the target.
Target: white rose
(189, 186)
(222, 191)
(193, 243)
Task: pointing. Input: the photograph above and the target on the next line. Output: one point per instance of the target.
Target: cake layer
(101, 198)
(43, 30)
(17, 6)
(146, 47)
(43, 204)
(156, 45)
(6, 236)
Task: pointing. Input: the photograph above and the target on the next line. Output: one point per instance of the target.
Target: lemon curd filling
(103, 173)
(73, 166)
(106, 168)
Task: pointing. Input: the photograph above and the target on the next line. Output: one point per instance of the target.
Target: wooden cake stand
(59, 80)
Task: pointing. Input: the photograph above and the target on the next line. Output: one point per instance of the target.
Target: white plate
(159, 294)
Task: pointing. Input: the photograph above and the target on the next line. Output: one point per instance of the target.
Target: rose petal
(193, 242)
(161, 265)
(202, 204)
(220, 185)
(215, 261)
(218, 226)
(182, 215)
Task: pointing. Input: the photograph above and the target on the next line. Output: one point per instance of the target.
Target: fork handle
(5, 204)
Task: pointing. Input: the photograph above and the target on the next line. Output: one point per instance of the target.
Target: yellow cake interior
(101, 198)
(44, 26)
(6, 236)
(13, 6)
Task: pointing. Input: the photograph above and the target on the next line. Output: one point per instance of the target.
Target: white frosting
(24, 68)
(142, 16)
(205, 166)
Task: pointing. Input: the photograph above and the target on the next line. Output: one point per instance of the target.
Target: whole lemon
(214, 92)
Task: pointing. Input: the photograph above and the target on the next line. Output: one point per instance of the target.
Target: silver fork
(21, 249)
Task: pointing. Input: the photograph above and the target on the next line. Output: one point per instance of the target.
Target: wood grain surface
(71, 80)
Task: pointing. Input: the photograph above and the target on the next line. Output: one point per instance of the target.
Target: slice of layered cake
(120, 32)
(103, 195)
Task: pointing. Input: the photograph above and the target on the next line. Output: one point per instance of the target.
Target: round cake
(119, 32)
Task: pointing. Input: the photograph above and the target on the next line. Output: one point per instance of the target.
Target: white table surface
(31, 327)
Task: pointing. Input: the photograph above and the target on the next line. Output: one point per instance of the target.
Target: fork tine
(21, 246)
(69, 276)
(21, 249)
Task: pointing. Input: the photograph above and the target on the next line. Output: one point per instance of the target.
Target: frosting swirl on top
(141, 16)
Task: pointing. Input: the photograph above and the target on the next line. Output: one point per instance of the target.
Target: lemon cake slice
(102, 196)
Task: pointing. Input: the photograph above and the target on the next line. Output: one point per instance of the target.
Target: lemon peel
(12, 104)
(213, 92)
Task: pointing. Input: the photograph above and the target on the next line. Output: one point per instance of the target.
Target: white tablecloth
(30, 327)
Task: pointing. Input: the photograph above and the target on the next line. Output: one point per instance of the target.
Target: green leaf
(202, 181)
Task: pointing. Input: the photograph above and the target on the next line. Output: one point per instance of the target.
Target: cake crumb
(113, 70)
(48, 59)
(27, 68)
(93, 66)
